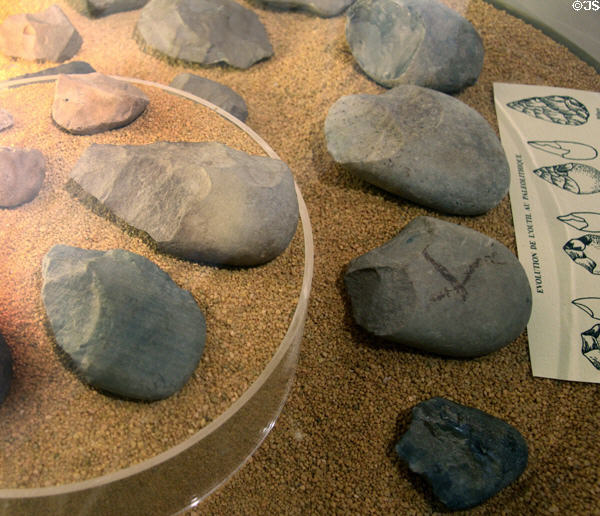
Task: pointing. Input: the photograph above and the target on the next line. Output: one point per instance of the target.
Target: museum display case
(296, 406)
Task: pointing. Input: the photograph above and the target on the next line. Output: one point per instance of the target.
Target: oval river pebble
(442, 288)
(127, 327)
(422, 145)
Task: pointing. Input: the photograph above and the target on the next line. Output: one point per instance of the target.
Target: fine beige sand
(55, 429)
(331, 451)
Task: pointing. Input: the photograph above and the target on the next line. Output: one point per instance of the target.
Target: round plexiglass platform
(182, 476)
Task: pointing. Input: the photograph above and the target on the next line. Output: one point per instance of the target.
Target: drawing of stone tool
(558, 109)
(590, 347)
(585, 251)
(582, 220)
(573, 177)
(566, 149)
(590, 305)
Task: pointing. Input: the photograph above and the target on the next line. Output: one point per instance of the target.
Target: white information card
(552, 141)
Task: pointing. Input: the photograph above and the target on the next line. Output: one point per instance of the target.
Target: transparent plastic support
(184, 475)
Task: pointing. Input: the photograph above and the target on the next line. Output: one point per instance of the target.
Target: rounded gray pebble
(127, 327)
(422, 145)
(441, 288)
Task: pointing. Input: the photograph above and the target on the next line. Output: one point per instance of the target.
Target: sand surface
(331, 451)
(47, 401)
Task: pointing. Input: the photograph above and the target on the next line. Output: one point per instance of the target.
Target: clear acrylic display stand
(181, 477)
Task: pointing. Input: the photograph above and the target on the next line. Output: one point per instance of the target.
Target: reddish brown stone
(22, 173)
(47, 35)
(93, 103)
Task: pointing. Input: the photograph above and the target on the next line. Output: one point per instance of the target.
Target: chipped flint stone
(204, 32)
(558, 109)
(422, 145)
(97, 8)
(214, 92)
(200, 201)
(465, 454)
(22, 173)
(73, 67)
(127, 327)
(47, 35)
(585, 251)
(441, 288)
(6, 120)
(93, 103)
(419, 42)
(6, 370)
(573, 177)
(324, 8)
(590, 345)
